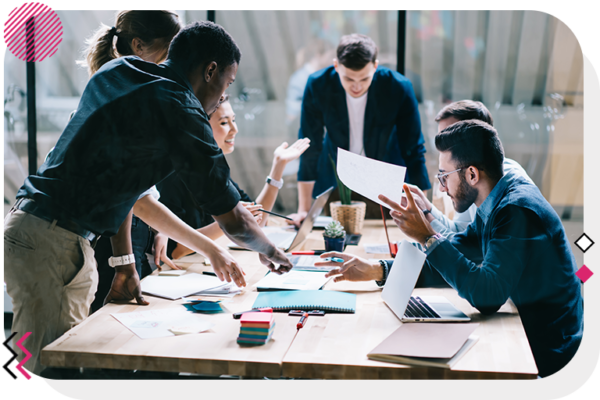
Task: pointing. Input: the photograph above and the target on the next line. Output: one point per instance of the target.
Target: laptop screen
(313, 213)
(403, 277)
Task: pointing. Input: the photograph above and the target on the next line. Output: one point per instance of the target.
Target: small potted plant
(351, 214)
(334, 236)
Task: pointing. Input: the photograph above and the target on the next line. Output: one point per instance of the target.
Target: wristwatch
(273, 182)
(121, 260)
(431, 240)
(384, 268)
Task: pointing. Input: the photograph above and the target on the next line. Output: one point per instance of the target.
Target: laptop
(287, 239)
(397, 292)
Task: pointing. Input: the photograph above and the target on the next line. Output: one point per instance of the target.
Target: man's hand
(410, 219)
(160, 251)
(354, 268)
(226, 267)
(126, 286)
(285, 265)
(420, 200)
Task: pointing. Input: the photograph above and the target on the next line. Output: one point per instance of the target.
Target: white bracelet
(275, 183)
(121, 260)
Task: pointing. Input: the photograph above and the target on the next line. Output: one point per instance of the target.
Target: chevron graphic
(5, 343)
(27, 357)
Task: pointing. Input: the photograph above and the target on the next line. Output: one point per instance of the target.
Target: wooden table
(332, 347)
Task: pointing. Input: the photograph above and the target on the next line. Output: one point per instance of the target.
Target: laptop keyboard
(417, 308)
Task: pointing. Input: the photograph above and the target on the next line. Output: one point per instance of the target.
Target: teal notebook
(307, 300)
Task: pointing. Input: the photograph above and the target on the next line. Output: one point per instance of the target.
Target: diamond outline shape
(588, 238)
(584, 273)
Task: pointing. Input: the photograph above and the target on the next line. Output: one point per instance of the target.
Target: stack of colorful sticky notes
(257, 328)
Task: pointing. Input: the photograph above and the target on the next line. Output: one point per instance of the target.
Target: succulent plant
(334, 230)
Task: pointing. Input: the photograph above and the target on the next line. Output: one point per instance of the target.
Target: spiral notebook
(307, 300)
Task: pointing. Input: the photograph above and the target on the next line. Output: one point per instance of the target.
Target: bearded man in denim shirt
(515, 248)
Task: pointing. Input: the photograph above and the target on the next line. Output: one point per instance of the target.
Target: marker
(239, 314)
(275, 214)
(302, 321)
(308, 252)
(334, 259)
(209, 273)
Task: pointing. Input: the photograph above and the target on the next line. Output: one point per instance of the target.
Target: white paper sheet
(377, 248)
(307, 263)
(176, 287)
(294, 280)
(369, 177)
(158, 323)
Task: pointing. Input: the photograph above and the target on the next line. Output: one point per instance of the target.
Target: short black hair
(473, 142)
(200, 43)
(466, 109)
(355, 51)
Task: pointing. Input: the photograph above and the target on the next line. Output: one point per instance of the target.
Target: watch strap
(121, 260)
(274, 182)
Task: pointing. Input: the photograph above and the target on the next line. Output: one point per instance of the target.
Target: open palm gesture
(285, 153)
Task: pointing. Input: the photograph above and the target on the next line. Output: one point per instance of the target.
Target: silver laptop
(399, 287)
(287, 239)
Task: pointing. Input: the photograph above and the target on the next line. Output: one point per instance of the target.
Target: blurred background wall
(525, 66)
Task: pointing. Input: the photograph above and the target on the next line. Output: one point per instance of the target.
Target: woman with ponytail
(146, 34)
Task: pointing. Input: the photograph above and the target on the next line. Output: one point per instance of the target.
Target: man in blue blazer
(363, 108)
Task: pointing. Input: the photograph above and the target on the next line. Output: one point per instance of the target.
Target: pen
(334, 259)
(209, 273)
(302, 321)
(275, 214)
(308, 252)
(239, 314)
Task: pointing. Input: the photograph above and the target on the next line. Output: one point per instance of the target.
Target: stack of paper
(257, 328)
(176, 287)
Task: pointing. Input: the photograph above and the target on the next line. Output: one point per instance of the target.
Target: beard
(465, 196)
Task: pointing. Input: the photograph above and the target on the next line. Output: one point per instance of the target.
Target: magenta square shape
(584, 273)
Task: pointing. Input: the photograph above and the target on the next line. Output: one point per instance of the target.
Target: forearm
(305, 190)
(269, 193)
(240, 226)
(121, 245)
(212, 231)
(121, 242)
(159, 217)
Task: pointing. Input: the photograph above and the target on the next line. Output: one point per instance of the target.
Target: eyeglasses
(443, 177)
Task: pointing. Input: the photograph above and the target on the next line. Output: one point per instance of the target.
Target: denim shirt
(516, 248)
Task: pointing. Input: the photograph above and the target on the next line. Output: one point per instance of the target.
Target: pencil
(275, 214)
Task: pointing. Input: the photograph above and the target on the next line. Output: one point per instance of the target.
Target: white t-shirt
(356, 117)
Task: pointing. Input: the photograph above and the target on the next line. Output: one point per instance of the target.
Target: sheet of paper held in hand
(369, 177)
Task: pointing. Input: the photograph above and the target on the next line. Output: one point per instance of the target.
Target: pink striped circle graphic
(33, 32)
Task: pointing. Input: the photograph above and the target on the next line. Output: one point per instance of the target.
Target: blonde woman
(174, 196)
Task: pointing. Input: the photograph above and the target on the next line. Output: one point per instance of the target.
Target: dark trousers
(142, 239)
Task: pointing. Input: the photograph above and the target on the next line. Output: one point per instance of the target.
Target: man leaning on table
(364, 108)
(137, 122)
(516, 248)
